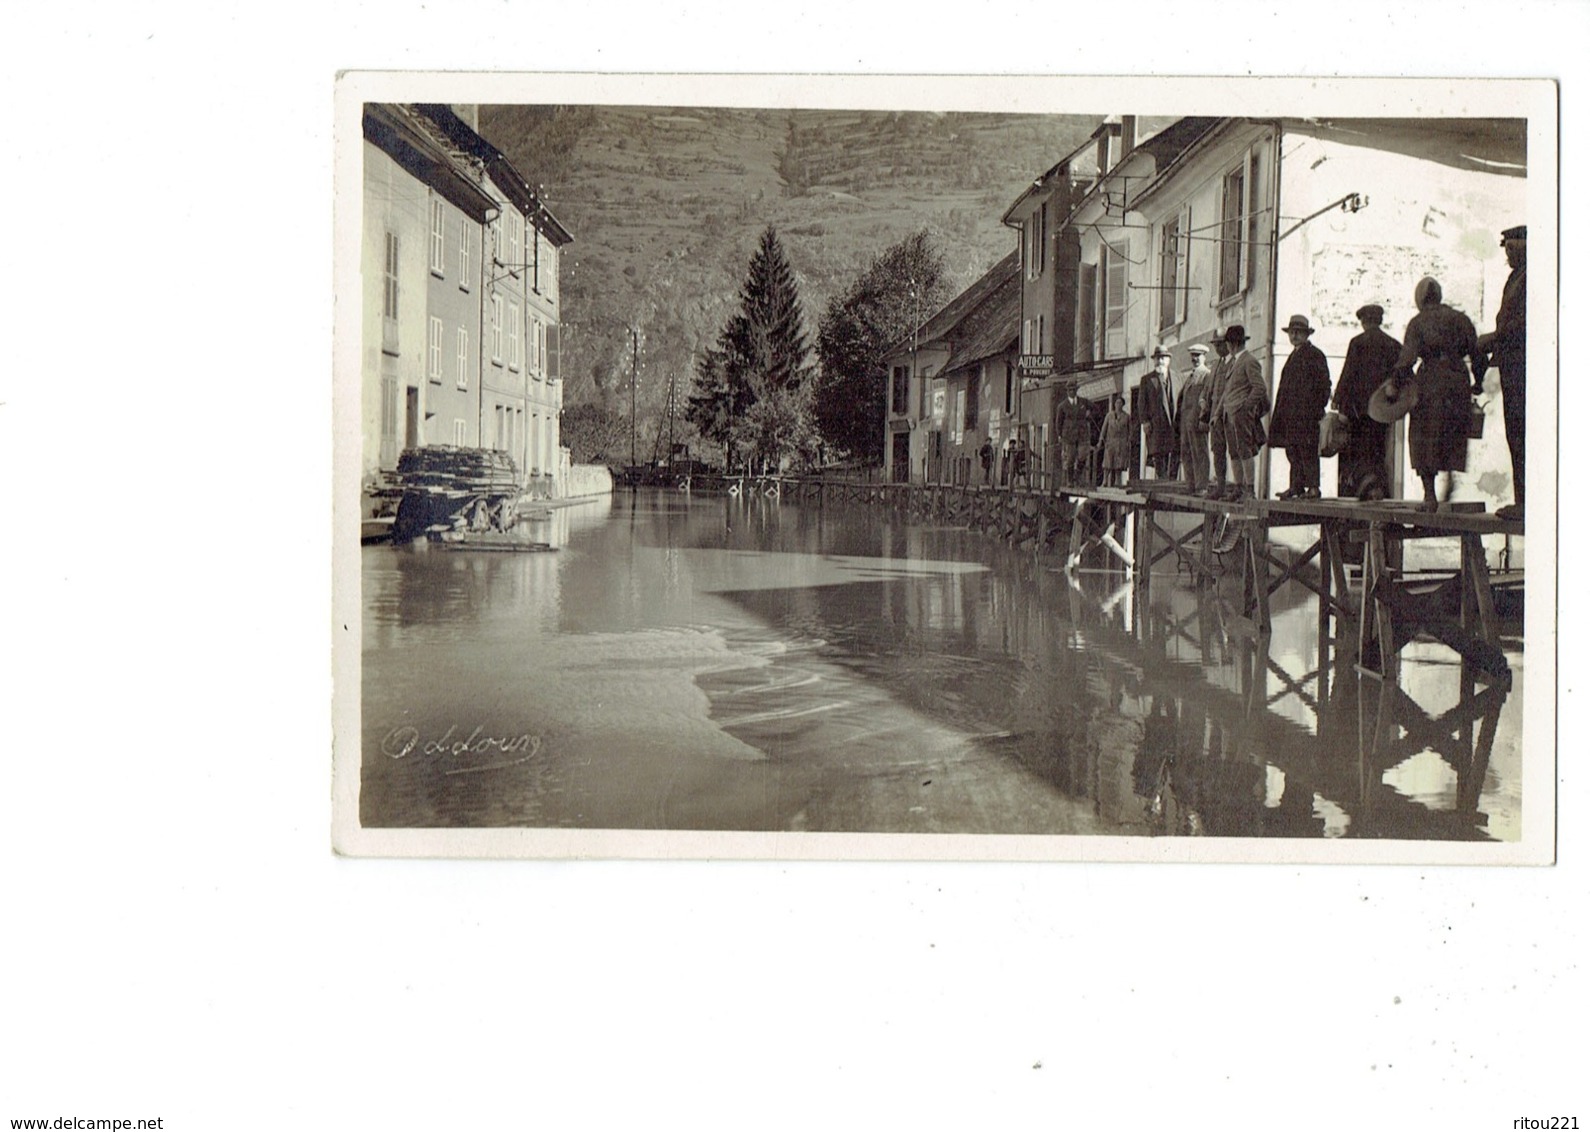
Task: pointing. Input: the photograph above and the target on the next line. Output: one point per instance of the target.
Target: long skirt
(1438, 426)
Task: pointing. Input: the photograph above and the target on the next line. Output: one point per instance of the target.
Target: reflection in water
(718, 663)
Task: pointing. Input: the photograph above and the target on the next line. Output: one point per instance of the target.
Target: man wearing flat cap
(1361, 469)
(1506, 349)
(1192, 420)
(1216, 416)
(1300, 398)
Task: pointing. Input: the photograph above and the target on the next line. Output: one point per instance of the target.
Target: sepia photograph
(824, 566)
(944, 473)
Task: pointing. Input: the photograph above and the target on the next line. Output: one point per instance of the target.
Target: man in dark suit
(1071, 429)
(1300, 398)
(1361, 469)
(1244, 401)
(1506, 349)
(1154, 406)
(1217, 417)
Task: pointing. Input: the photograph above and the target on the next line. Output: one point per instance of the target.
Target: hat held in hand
(1393, 401)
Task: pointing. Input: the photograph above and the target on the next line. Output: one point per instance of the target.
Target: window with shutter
(438, 248)
(390, 294)
(1043, 236)
(1087, 312)
(1232, 200)
(1170, 275)
(1112, 308)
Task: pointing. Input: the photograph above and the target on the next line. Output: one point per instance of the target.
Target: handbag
(1476, 421)
(1332, 433)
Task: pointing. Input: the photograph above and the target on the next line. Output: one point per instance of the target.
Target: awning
(1486, 145)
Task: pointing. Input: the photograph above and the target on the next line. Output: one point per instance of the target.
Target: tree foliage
(753, 389)
(595, 435)
(898, 290)
(777, 432)
(716, 400)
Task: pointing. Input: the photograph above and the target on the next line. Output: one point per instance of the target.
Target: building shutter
(1087, 316)
(554, 358)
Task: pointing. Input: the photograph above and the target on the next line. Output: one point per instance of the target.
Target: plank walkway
(1133, 525)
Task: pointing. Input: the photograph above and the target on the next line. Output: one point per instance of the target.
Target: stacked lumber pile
(441, 487)
(473, 471)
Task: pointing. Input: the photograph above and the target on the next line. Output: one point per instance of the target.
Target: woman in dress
(1444, 344)
(1116, 441)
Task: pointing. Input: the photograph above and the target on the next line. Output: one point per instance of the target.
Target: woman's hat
(1298, 322)
(1393, 401)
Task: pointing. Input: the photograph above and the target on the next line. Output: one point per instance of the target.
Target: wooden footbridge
(1147, 522)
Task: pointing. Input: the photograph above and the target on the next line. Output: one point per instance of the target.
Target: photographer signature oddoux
(401, 742)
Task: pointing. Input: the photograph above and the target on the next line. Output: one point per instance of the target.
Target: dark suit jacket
(1071, 425)
(1300, 398)
(1153, 409)
(1370, 358)
(1508, 348)
(1245, 389)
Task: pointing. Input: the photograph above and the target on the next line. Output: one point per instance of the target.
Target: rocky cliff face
(666, 206)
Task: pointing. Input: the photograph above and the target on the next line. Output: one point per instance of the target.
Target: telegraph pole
(634, 368)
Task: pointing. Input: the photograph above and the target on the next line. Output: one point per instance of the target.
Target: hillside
(666, 206)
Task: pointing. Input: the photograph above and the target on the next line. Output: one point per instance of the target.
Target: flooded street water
(713, 663)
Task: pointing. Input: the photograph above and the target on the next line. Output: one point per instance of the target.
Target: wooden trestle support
(1366, 621)
(1376, 618)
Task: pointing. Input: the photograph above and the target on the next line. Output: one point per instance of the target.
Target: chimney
(1128, 134)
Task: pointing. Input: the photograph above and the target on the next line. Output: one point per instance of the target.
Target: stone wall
(588, 479)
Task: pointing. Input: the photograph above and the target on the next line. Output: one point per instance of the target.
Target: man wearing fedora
(1300, 398)
(1244, 402)
(1361, 469)
(1216, 417)
(1192, 420)
(1506, 349)
(1154, 411)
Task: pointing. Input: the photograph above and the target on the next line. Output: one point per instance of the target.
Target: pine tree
(768, 335)
(899, 289)
(718, 398)
(761, 359)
